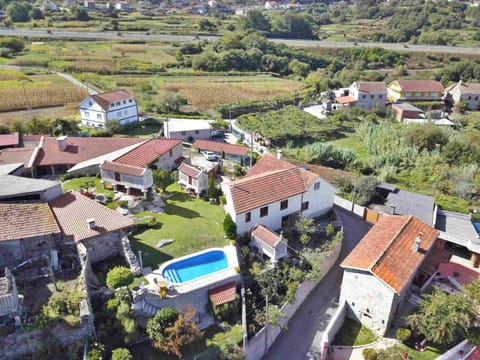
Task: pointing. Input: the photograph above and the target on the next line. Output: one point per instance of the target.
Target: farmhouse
(188, 129)
(192, 178)
(369, 94)
(468, 93)
(415, 90)
(97, 110)
(273, 192)
(224, 150)
(379, 272)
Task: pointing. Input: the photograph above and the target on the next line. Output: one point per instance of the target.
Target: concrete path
(74, 81)
(311, 319)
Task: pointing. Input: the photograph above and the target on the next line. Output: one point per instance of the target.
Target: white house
(269, 243)
(97, 110)
(369, 94)
(466, 92)
(192, 178)
(188, 129)
(379, 272)
(274, 191)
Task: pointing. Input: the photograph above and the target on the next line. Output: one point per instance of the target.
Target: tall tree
(162, 179)
(255, 20)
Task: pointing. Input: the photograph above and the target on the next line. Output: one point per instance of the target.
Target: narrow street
(298, 341)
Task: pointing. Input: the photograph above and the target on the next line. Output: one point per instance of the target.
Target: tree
(255, 20)
(19, 12)
(207, 25)
(365, 189)
(36, 14)
(298, 68)
(4, 129)
(229, 227)
(119, 276)
(162, 179)
(158, 325)
(113, 126)
(39, 125)
(212, 190)
(292, 25)
(78, 13)
(121, 354)
(14, 44)
(426, 136)
(305, 227)
(129, 326)
(96, 352)
(443, 318)
(403, 334)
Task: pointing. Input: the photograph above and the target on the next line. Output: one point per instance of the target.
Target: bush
(369, 354)
(473, 336)
(229, 227)
(403, 334)
(119, 276)
(121, 354)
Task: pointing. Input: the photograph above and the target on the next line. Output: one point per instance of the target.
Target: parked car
(210, 155)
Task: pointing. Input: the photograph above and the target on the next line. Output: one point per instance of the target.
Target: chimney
(91, 223)
(279, 154)
(62, 142)
(417, 242)
(392, 209)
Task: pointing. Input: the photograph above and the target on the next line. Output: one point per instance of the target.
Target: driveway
(306, 326)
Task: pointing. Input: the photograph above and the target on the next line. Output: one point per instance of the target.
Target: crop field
(19, 91)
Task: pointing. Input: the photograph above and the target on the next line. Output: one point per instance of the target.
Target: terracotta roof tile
(420, 85)
(23, 220)
(372, 86)
(219, 147)
(475, 354)
(9, 139)
(105, 99)
(189, 170)
(345, 100)
(469, 88)
(148, 152)
(266, 235)
(80, 149)
(72, 210)
(387, 249)
(223, 293)
(16, 155)
(122, 168)
(269, 163)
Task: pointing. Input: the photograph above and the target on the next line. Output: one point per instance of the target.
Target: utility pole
(266, 324)
(251, 150)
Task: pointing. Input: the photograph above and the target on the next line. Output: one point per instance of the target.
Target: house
(9, 140)
(97, 110)
(369, 94)
(269, 243)
(188, 130)
(379, 272)
(415, 90)
(123, 6)
(84, 221)
(192, 178)
(468, 93)
(273, 192)
(89, 4)
(404, 112)
(28, 230)
(224, 150)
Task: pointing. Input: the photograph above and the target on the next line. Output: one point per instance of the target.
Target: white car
(210, 155)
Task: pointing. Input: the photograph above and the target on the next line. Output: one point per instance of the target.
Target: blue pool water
(195, 266)
(476, 225)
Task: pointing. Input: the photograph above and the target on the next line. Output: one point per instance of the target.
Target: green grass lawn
(84, 183)
(430, 352)
(352, 141)
(194, 224)
(353, 333)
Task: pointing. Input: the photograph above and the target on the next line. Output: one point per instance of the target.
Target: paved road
(312, 317)
(99, 35)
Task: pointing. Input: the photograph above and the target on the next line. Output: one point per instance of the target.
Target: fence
(333, 326)
(261, 342)
(348, 205)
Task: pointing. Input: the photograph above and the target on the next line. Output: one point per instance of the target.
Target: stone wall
(130, 258)
(103, 246)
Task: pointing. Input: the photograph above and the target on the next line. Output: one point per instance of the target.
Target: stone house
(85, 221)
(269, 243)
(192, 178)
(369, 94)
(274, 192)
(97, 110)
(415, 90)
(465, 92)
(223, 150)
(379, 272)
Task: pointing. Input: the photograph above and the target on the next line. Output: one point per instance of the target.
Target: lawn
(84, 183)
(352, 141)
(353, 333)
(194, 224)
(430, 352)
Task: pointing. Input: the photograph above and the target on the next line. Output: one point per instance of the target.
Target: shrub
(329, 229)
(229, 227)
(222, 199)
(403, 334)
(369, 354)
(119, 276)
(121, 354)
(473, 336)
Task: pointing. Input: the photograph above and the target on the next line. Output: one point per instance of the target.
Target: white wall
(184, 135)
(93, 115)
(52, 193)
(167, 161)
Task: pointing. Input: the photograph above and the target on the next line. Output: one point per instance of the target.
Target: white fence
(348, 205)
(261, 342)
(459, 352)
(333, 326)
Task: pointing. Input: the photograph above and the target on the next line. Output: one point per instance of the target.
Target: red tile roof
(475, 355)
(372, 86)
(387, 249)
(105, 99)
(255, 191)
(16, 155)
(148, 152)
(72, 210)
(9, 139)
(223, 293)
(266, 235)
(267, 163)
(122, 168)
(469, 88)
(345, 100)
(420, 85)
(189, 170)
(219, 147)
(80, 149)
(20, 220)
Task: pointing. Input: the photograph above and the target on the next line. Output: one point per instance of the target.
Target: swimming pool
(195, 266)
(476, 225)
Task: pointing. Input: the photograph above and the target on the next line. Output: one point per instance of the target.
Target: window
(87, 114)
(469, 98)
(119, 113)
(197, 132)
(170, 152)
(283, 204)
(184, 133)
(117, 103)
(476, 97)
(372, 96)
(364, 96)
(130, 100)
(380, 96)
(124, 101)
(112, 105)
(99, 116)
(124, 112)
(305, 206)
(90, 103)
(316, 186)
(248, 217)
(264, 211)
